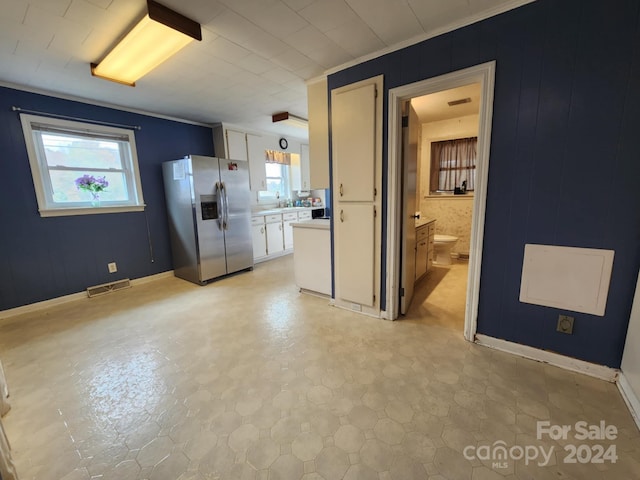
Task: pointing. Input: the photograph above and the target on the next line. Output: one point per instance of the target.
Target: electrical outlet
(565, 324)
(113, 268)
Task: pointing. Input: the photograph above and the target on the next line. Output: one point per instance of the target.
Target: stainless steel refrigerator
(208, 204)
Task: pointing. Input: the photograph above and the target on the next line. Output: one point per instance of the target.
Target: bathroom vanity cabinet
(424, 248)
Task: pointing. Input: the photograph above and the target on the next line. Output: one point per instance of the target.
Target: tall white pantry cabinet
(356, 123)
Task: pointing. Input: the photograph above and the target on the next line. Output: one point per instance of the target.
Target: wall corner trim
(34, 307)
(629, 397)
(573, 364)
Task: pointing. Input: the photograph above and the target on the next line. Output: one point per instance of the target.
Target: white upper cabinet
(305, 179)
(318, 108)
(354, 144)
(300, 170)
(236, 145)
(296, 177)
(257, 171)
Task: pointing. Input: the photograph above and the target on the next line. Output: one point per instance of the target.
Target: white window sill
(449, 196)
(63, 212)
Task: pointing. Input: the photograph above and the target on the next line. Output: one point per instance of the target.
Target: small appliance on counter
(324, 213)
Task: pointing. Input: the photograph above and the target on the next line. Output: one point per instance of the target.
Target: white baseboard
(580, 366)
(272, 256)
(630, 397)
(33, 307)
(152, 278)
(353, 307)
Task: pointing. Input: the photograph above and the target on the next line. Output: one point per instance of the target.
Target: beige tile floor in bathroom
(248, 379)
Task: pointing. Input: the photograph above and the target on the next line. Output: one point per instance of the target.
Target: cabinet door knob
(342, 215)
(262, 230)
(341, 190)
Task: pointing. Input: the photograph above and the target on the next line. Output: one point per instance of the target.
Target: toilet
(443, 245)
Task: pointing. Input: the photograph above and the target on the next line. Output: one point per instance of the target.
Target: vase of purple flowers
(93, 185)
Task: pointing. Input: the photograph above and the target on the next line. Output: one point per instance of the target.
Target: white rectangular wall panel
(569, 278)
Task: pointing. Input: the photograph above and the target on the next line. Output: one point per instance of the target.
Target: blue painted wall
(565, 157)
(44, 258)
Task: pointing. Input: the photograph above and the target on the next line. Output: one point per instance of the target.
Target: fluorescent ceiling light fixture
(289, 119)
(157, 36)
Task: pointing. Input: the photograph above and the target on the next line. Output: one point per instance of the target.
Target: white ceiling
(435, 106)
(253, 61)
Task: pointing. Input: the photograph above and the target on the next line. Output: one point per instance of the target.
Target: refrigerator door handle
(218, 195)
(225, 206)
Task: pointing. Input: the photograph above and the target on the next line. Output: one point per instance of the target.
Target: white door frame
(485, 75)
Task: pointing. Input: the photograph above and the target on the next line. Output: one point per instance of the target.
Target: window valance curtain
(275, 156)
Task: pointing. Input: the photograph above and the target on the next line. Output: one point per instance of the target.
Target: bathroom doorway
(448, 125)
(399, 220)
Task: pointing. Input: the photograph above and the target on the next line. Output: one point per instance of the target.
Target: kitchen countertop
(317, 223)
(422, 221)
(274, 211)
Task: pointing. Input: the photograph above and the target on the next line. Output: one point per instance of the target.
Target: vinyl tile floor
(246, 378)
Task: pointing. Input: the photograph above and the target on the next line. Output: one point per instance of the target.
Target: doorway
(484, 76)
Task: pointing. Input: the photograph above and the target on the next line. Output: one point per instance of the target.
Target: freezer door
(182, 229)
(234, 176)
(208, 213)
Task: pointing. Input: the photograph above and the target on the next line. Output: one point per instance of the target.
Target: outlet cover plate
(113, 268)
(565, 324)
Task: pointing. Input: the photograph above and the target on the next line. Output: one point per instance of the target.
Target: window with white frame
(278, 179)
(81, 168)
(278, 176)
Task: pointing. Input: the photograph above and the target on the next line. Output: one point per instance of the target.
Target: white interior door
(410, 137)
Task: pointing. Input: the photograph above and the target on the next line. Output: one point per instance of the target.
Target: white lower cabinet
(259, 236)
(422, 253)
(273, 233)
(275, 238)
(424, 249)
(354, 252)
(287, 220)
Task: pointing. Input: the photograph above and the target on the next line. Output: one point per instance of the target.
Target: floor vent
(108, 287)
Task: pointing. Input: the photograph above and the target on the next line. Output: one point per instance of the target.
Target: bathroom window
(81, 168)
(453, 164)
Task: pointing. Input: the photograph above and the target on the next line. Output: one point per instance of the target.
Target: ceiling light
(289, 119)
(459, 102)
(155, 38)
